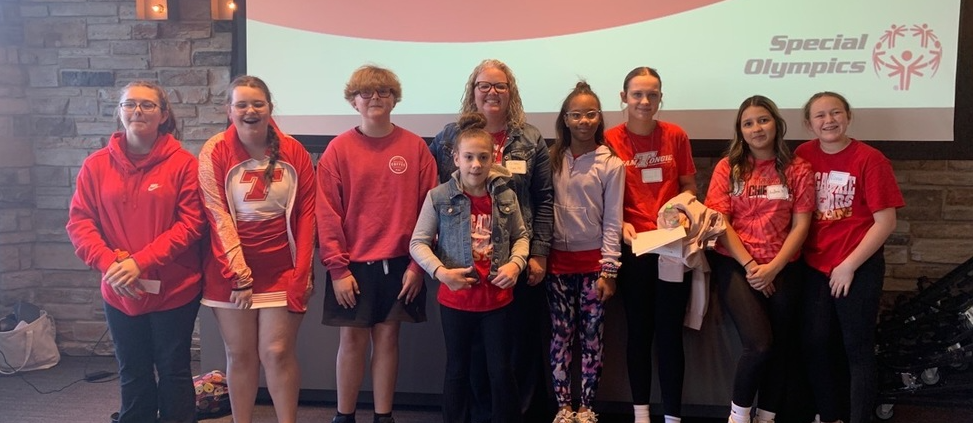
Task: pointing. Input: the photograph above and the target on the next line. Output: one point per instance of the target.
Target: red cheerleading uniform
(262, 230)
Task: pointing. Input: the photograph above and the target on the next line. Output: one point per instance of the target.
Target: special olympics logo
(398, 165)
(906, 52)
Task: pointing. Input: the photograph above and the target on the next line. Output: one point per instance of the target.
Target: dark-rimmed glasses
(484, 86)
(130, 106)
(368, 94)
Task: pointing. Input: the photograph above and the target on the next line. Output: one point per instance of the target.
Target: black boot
(344, 418)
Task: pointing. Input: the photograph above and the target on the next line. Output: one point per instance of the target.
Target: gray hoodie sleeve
(521, 239)
(423, 236)
(611, 221)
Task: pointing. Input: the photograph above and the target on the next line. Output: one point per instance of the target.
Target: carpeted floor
(60, 394)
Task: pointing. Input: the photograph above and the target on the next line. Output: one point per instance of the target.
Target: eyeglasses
(242, 106)
(130, 106)
(382, 93)
(576, 116)
(484, 87)
(653, 96)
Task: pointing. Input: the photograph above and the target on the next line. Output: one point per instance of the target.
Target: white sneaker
(565, 416)
(586, 416)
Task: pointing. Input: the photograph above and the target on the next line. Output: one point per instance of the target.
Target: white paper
(151, 286)
(665, 242)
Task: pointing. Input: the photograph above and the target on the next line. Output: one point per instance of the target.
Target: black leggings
(653, 307)
(764, 324)
(854, 316)
(461, 330)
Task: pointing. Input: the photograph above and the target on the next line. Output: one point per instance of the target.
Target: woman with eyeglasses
(589, 183)
(519, 147)
(136, 217)
(659, 166)
(372, 181)
(257, 185)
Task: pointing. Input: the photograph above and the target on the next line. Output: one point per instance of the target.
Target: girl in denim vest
(481, 249)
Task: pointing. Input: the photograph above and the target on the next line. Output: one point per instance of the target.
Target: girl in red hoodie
(136, 217)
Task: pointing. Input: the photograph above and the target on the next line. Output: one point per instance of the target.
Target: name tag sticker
(517, 167)
(838, 179)
(652, 175)
(777, 192)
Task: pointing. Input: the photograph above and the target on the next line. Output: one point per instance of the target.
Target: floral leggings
(574, 306)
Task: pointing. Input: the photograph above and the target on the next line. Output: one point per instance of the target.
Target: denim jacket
(534, 189)
(446, 213)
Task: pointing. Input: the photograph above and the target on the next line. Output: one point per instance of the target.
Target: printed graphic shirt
(850, 186)
(481, 227)
(761, 208)
(653, 165)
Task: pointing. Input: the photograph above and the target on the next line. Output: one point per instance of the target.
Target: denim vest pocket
(504, 207)
(453, 245)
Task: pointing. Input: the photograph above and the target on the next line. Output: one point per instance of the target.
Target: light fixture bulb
(231, 5)
(158, 8)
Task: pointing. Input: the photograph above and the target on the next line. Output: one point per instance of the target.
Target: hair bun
(472, 121)
(582, 85)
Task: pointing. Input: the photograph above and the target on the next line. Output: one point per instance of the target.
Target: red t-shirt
(761, 209)
(850, 186)
(499, 141)
(572, 262)
(483, 296)
(653, 165)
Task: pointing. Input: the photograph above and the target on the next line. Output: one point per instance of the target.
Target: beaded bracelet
(609, 270)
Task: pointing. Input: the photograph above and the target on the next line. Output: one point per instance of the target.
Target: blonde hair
(370, 77)
(515, 109)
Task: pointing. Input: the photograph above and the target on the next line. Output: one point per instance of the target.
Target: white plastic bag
(29, 347)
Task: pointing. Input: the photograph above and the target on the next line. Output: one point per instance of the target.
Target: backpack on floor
(212, 395)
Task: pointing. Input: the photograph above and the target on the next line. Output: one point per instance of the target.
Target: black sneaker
(383, 419)
(343, 418)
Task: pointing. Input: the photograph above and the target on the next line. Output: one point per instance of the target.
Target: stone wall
(62, 62)
(70, 59)
(17, 199)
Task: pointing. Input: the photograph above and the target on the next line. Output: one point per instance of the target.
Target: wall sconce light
(152, 9)
(222, 10)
